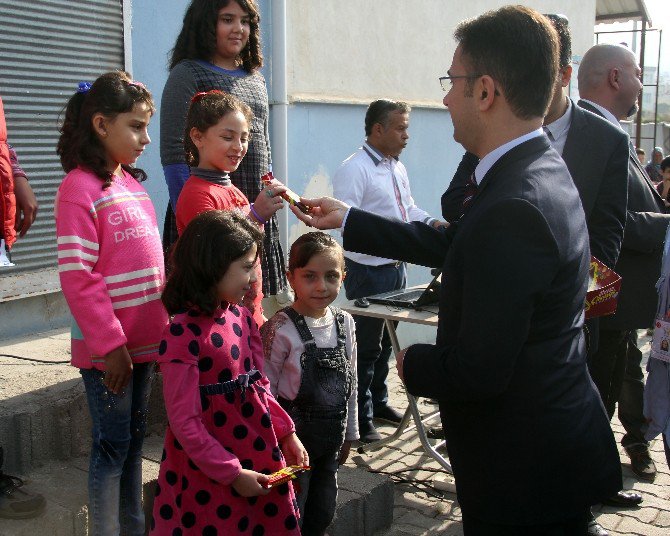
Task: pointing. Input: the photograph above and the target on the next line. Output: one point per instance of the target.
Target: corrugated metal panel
(621, 10)
(46, 48)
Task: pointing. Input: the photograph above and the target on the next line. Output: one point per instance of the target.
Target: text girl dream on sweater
(226, 432)
(310, 360)
(216, 139)
(110, 264)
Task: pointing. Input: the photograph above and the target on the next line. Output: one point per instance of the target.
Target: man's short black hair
(665, 163)
(518, 48)
(379, 111)
(561, 25)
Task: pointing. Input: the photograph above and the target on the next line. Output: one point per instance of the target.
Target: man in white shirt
(373, 179)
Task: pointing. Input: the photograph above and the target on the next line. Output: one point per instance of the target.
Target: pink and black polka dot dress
(210, 438)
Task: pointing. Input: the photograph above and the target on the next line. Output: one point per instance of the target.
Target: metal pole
(638, 127)
(658, 75)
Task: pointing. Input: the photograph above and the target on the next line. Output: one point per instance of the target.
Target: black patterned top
(192, 76)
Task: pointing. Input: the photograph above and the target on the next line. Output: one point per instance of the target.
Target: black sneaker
(16, 502)
(641, 463)
(388, 414)
(368, 433)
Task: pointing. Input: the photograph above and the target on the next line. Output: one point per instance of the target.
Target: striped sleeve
(84, 288)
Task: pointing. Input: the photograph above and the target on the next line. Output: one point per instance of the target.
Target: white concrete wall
(356, 51)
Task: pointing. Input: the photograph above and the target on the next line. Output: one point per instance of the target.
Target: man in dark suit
(528, 437)
(596, 154)
(609, 85)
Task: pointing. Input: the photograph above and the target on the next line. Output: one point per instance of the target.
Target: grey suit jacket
(639, 263)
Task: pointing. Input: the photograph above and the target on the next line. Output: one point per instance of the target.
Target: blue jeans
(374, 345)
(115, 469)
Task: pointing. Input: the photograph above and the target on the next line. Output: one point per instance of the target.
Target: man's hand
(325, 213)
(344, 452)
(118, 369)
(26, 205)
(399, 360)
(437, 224)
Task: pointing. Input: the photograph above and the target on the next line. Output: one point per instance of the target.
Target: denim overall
(319, 412)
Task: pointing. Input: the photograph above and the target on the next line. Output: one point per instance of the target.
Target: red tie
(471, 188)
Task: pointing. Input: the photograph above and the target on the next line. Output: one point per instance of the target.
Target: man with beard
(609, 85)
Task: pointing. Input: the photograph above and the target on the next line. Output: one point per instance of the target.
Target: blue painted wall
(155, 26)
(321, 136)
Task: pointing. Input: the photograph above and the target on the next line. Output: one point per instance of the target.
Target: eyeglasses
(447, 81)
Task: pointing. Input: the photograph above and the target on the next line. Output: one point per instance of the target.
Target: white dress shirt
(368, 180)
(557, 131)
(487, 162)
(608, 115)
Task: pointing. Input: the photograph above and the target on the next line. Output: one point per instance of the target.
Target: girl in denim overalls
(310, 360)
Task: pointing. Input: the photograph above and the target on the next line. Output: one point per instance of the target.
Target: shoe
(388, 414)
(641, 463)
(435, 432)
(368, 433)
(624, 498)
(596, 529)
(16, 502)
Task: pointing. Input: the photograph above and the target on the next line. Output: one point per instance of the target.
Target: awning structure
(621, 11)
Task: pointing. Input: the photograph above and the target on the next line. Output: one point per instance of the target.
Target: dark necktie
(471, 188)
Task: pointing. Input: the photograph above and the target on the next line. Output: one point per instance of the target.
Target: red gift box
(603, 292)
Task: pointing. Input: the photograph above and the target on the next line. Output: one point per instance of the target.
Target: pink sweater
(110, 263)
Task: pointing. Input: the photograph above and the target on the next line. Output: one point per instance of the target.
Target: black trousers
(617, 372)
(575, 526)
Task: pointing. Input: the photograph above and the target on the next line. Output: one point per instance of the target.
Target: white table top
(387, 312)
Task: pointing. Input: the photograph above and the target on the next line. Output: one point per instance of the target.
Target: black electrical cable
(35, 360)
(420, 486)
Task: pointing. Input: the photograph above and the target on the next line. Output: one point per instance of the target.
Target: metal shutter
(46, 48)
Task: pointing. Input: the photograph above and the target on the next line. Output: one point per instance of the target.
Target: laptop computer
(413, 298)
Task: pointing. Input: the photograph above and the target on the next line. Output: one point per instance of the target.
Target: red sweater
(198, 196)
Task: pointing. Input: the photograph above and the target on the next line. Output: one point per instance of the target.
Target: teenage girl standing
(219, 48)
(110, 264)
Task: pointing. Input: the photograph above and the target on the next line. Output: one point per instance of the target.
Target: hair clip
(199, 96)
(137, 84)
(83, 87)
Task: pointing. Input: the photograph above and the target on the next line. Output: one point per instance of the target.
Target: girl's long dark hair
(202, 256)
(197, 39)
(111, 94)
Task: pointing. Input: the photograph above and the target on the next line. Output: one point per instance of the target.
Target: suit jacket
(596, 153)
(529, 440)
(639, 263)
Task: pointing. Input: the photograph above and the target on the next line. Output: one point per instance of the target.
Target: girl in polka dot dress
(226, 432)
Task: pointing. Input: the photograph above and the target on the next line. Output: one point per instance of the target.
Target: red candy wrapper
(603, 291)
(289, 195)
(285, 474)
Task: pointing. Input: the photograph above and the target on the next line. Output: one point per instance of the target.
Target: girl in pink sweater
(216, 140)
(110, 264)
(226, 432)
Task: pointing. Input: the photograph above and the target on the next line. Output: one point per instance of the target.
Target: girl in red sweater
(216, 139)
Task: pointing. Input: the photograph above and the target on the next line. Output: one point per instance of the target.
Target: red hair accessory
(199, 96)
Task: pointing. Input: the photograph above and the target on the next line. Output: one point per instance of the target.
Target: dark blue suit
(529, 440)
